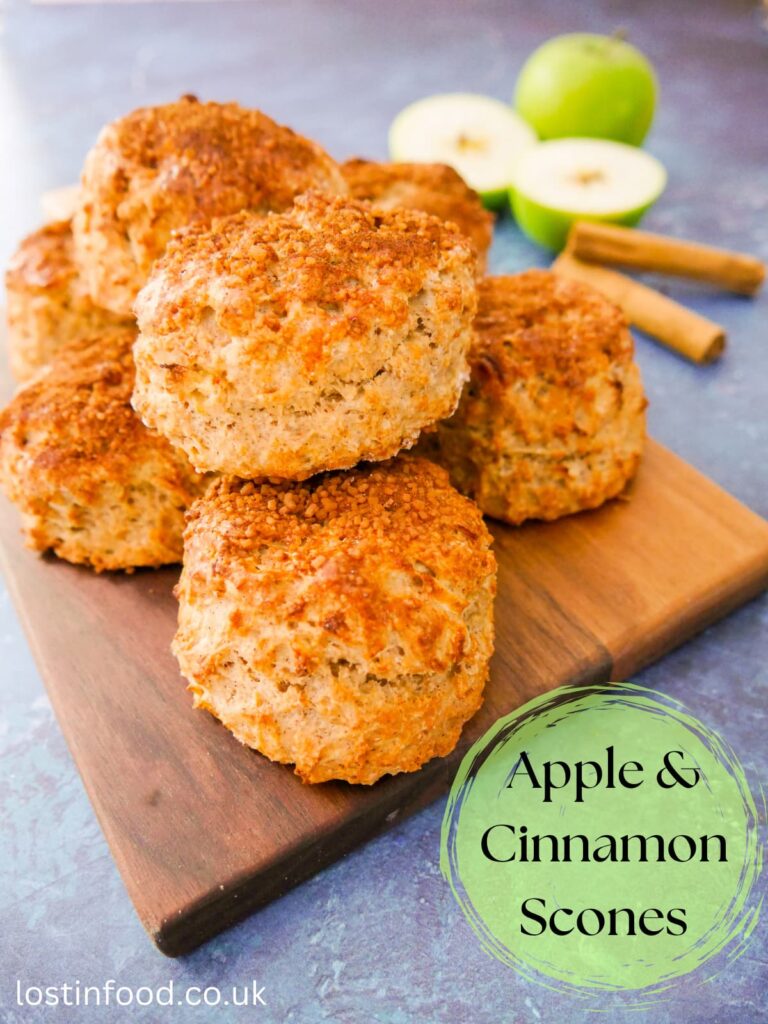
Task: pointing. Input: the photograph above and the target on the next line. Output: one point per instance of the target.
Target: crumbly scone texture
(307, 341)
(343, 625)
(91, 482)
(553, 418)
(433, 188)
(48, 306)
(162, 168)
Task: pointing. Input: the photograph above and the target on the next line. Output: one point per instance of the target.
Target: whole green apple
(589, 86)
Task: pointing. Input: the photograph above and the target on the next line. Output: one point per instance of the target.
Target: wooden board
(204, 830)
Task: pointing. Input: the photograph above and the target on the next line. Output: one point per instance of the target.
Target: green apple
(589, 86)
(564, 180)
(480, 137)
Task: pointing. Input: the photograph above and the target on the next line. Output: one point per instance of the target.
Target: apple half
(480, 137)
(564, 180)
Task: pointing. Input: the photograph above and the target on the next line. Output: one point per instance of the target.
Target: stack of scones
(292, 377)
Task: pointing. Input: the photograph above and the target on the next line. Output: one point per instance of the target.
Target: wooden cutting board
(204, 830)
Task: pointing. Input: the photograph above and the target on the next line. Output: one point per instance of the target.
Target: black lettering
(486, 849)
(705, 848)
(613, 915)
(529, 771)
(549, 783)
(536, 842)
(676, 776)
(533, 916)
(630, 766)
(581, 783)
(655, 915)
(676, 916)
(642, 842)
(582, 840)
(599, 917)
(605, 850)
(553, 924)
(687, 840)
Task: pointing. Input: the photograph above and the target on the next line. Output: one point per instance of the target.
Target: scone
(48, 307)
(91, 482)
(553, 418)
(162, 168)
(433, 188)
(306, 341)
(343, 625)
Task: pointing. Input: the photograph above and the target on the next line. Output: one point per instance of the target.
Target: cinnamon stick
(691, 335)
(641, 250)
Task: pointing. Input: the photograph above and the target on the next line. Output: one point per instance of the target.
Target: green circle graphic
(586, 875)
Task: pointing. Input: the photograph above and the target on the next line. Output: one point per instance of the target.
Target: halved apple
(480, 137)
(564, 180)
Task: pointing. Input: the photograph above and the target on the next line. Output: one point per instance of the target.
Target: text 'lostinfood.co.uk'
(111, 993)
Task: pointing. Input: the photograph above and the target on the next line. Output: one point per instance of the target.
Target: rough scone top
(552, 420)
(307, 341)
(91, 482)
(162, 168)
(48, 306)
(433, 188)
(343, 625)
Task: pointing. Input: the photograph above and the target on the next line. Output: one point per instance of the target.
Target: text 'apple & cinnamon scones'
(161, 168)
(305, 341)
(48, 306)
(433, 188)
(343, 625)
(553, 418)
(92, 484)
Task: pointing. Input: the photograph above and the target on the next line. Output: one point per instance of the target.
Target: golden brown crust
(91, 481)
(433, 188)
(535, 324)
(552, 420)
(83, 402)
(342, 624)
(285, 345)
(163, 168)
(313, 256)
(48, 308)
(43, 260)
(370, 517)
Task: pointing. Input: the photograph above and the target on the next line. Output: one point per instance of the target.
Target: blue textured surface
(378, 937)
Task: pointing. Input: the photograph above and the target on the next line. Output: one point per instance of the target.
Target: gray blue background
(378, 936)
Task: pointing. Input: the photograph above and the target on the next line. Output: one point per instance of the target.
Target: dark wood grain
(204, 830)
